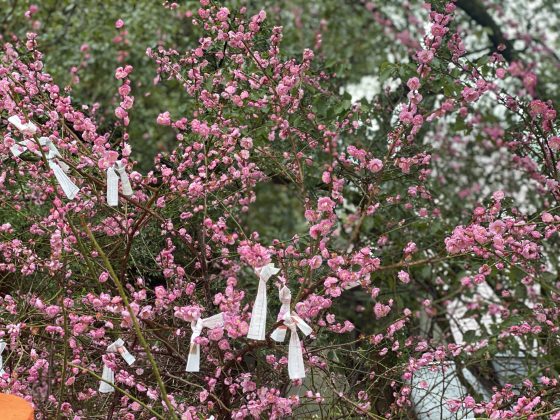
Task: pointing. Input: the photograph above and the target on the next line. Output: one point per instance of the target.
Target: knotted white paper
(28, 128)
(59, 169)
(2, 348)
(193, 361)
(279, 334)
(114, 173)
(257, 327)
(108, 378)
(108, 375)
(296, 368)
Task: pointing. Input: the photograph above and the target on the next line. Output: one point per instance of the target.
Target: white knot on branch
(117, 172)
(193, 361)
(108, 375)
(257, 327)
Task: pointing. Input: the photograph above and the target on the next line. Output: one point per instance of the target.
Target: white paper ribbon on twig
(257, 327)
(279, 334)
(108, 378)
(2, 348)
(59, 168)
(115, 173)
(296, 367)
(193, 361)
(108, 375)
(18, 148)
(27, 129)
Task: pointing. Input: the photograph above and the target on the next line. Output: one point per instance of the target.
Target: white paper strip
(118, 347)
(28, 128)
(17, 149)
(70, 189)
(53, 152)
(112, 187)
(115, 173)
(108, 374)
(125, 181)
(193, 360)
(2, 348)
(296, 367)
(58, 167)
(257, 327)
(279, 334)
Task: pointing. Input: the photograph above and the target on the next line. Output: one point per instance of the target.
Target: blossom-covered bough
(101, 259)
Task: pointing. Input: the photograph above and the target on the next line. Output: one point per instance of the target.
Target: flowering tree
(419, 240)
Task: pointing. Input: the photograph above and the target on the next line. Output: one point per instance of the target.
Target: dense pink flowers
(393, 219)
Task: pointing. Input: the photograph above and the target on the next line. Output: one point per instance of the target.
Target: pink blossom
(413, 83)
(375, 165)
(425, 56)
(470, 94)
(164, 119)
(404, 277)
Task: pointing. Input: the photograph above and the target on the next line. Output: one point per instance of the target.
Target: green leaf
(387, 70)
(470, 336)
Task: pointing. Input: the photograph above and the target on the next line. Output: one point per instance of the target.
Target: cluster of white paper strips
(257, 327)
(296, 367)
(115, 172)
